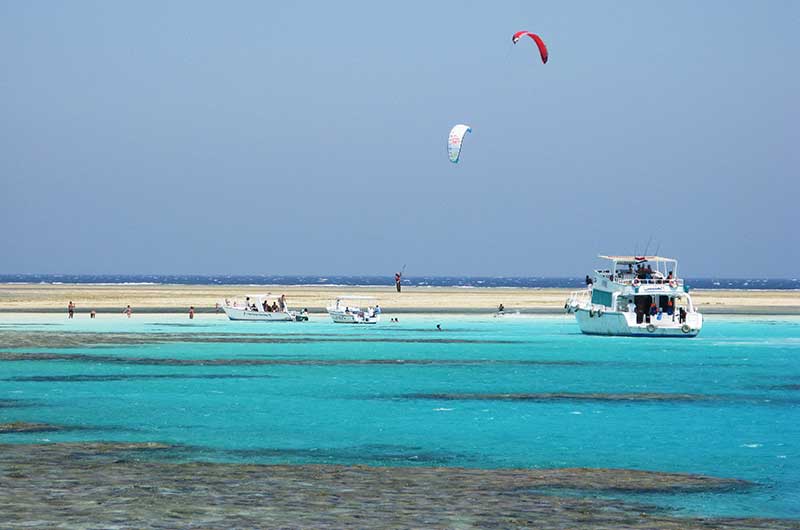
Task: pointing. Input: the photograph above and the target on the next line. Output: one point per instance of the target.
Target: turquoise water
(328, 399)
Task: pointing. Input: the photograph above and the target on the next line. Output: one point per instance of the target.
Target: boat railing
(628, 279)
(579, 298)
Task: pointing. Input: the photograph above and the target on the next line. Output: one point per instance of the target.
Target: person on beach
(70, 309)
(398, 276)
(191, 312)
(93, 314)
(128, 311)
(501, 308)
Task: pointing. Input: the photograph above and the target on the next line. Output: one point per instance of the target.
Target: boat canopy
(638, 259)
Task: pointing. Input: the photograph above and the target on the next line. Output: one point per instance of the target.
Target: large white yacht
(636, 296)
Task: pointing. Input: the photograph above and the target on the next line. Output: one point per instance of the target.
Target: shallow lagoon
(483, 393)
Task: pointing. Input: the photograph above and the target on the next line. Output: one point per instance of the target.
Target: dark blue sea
(418, 281)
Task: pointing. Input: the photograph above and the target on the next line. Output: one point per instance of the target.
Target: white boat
(257, 308)
(636, 296)
(347, 310)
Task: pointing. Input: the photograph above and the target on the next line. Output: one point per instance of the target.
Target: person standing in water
(398, 276)
(191, 312)
(70, 309)
(128, 311)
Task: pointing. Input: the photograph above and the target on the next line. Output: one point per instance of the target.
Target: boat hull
(340, 317)
(617, 323)
(237, 313)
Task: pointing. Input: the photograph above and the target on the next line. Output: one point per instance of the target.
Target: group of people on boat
(647, 273)
(370, 312)
(277, 306)
(642, 273)
(644, 311)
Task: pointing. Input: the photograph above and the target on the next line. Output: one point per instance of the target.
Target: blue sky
(260, 137)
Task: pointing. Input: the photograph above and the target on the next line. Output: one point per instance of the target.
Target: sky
(310, 137)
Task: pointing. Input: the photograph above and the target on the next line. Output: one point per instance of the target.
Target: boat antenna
(649, 240)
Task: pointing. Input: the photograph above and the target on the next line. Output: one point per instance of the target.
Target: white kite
(455, 139)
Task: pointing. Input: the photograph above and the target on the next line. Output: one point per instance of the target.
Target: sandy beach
(178, 298)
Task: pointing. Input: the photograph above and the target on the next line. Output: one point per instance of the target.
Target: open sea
(417, 281)
(484, 392)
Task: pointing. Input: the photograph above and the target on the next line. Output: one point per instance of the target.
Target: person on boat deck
(681, 315)
(670, 276)
(589, 281)
(346, 310)
(265, 306)
(670, 307)
(653, 309)
(377, 310)
(648, 272)
(254, 308)
(274, 307)
(282, 302)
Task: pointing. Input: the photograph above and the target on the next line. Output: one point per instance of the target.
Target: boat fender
(591, 313)
(651, 328)
(685, 328)
(673, 283)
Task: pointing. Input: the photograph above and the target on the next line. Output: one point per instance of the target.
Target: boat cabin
(648, 286)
